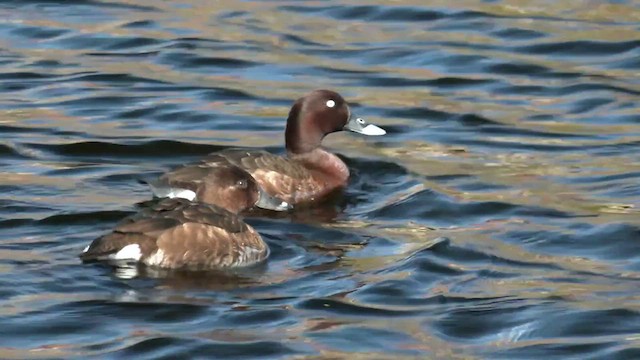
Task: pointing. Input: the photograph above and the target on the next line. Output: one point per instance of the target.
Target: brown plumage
(308, 172)
(177, 233)
(297, 179)
(222, 184)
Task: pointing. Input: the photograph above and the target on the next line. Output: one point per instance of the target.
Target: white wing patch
(181, 193)
(168, 192)
(129, 252)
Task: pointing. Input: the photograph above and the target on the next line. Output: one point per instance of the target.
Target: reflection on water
(497, 219)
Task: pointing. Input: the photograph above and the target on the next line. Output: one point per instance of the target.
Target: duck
(176, 233)
(306, 174)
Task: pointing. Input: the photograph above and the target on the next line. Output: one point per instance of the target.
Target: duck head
(236, 190)
(317, 114)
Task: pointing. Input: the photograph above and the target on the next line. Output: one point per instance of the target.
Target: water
(497, 219)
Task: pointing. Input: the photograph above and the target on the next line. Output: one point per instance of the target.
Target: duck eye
(331, 103)
(241, 183)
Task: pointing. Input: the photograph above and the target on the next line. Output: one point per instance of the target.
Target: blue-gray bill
(360, 126)
(269, 202)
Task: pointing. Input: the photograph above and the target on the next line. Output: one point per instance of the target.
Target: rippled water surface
(497, 219)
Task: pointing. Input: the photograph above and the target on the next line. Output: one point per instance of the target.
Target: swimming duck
(180, 234)
(214, 184)
(306, 174)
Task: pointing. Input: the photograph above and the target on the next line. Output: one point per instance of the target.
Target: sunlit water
(497, 219)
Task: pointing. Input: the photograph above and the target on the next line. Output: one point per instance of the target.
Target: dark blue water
(497, 219)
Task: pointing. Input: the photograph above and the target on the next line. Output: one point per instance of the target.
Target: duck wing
(183, 182)
(146, 228)
(208, 236)
(201, 246)
(277, 175)
(208, 215)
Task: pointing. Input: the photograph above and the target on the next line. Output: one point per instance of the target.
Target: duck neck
(303, 137)
(325, 163)
(303, 133)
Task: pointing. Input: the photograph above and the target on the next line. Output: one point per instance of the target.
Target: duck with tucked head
(306, 174)
(180, 234)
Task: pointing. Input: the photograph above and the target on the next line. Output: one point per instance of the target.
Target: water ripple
(497, 218)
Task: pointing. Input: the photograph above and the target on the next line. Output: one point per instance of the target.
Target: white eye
(360, 121)
(331, 103)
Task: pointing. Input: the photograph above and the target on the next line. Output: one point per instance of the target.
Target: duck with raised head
(180, 234)
(306, 174)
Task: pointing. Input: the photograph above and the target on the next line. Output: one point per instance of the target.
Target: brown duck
(180, 234)
(306, 174)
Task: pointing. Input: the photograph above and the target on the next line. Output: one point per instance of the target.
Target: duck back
(295, 178)
(176, 233)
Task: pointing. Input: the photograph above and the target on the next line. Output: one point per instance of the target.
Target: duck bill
(360, 126)
(266, 201)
